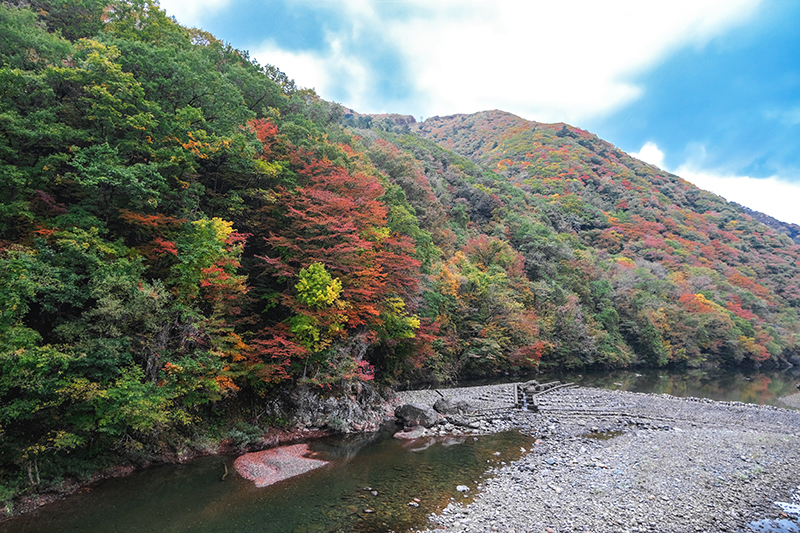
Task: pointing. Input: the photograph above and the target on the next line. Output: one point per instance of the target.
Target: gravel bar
(614, 461)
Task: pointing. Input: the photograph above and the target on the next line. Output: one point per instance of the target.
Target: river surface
(194, 497)
(765, 387)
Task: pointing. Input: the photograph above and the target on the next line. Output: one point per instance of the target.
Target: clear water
(193, 497)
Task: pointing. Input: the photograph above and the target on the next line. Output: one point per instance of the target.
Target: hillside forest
(186, 235)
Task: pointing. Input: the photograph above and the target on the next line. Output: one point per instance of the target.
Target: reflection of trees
(717, 384)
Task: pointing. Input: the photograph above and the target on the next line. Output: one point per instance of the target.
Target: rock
(411, 434)
(416, 414)
(453, 407)
(462, 488)
(359, 410)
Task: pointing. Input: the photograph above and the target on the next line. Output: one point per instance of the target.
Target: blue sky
(707, 89)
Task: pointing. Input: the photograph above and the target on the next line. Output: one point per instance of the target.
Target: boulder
(453, 407)
(416, 414)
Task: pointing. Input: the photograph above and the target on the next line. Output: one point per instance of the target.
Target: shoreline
(583, 467)
(614, 461)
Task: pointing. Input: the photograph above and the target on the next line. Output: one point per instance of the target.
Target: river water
(368, 484)
(367, 487)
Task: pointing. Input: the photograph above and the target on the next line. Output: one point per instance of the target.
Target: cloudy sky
(707, 89)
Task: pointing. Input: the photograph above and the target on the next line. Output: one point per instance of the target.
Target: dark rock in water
(416, 414)
(450, 407)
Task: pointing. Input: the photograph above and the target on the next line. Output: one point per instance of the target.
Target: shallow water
(789, 524)
(193, 497)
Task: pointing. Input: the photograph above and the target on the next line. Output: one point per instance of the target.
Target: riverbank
(272, 438)
(613, 461)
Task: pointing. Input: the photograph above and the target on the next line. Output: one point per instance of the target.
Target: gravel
(615, 461)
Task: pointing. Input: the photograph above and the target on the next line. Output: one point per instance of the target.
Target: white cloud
(549, 61)
(192, 13)
(650, 153)
(329, 71)
(773, 196)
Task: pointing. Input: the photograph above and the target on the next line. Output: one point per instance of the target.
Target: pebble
(723, 469)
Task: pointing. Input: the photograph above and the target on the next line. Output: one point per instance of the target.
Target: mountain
(185, 232)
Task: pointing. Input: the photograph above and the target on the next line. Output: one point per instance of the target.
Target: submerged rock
(270, 466)
(411, 433)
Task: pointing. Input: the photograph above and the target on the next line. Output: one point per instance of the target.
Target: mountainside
(691, 255)
(185, 232)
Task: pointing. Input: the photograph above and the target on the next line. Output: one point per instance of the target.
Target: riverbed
(667, 464)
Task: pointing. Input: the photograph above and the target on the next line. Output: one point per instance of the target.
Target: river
(368, 485)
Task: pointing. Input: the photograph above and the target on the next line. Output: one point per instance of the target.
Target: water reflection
(759, 387)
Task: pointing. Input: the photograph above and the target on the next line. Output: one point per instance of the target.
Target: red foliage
(154, 222)
(339, 221)
(747, 283)
(736, 308)
(271, 353)
(162, 246)
(529, 356)
(695, 303)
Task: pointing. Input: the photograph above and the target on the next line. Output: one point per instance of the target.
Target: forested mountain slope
(186, 235)
(692, 276)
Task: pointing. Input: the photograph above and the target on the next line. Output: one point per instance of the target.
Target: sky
(706, 89)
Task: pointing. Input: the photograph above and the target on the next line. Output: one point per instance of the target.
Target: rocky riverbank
(613, 461)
